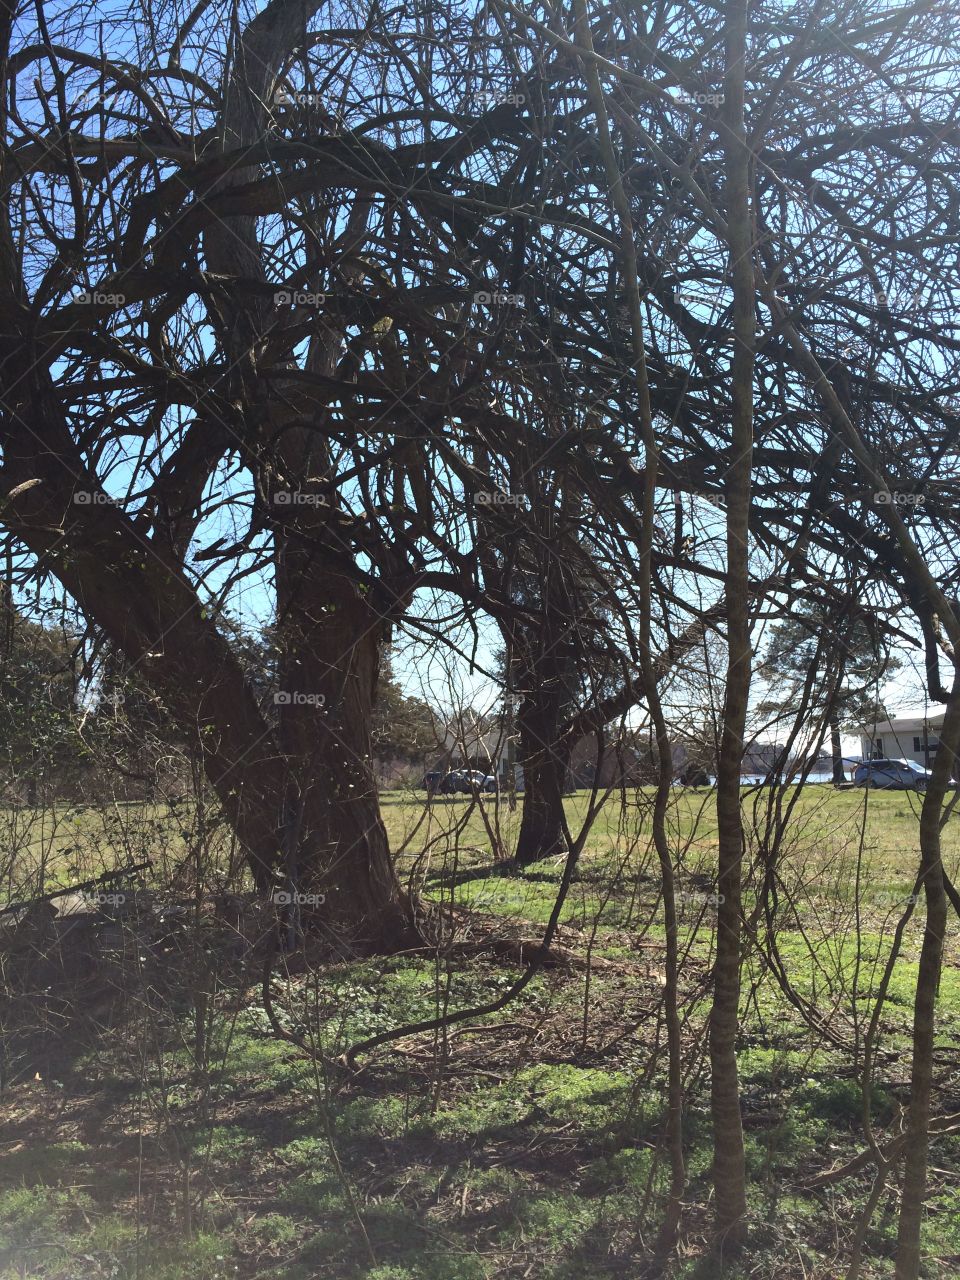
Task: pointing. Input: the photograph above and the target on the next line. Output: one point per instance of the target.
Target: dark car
(466, 782)
(452, 782)
(440, 782)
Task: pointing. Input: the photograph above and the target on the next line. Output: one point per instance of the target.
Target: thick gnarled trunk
(544, 761)
(336, 844)
(313, 785)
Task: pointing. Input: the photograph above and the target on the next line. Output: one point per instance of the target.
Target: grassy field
(526, 1144)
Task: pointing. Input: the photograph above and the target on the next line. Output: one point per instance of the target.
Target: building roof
(907, 721)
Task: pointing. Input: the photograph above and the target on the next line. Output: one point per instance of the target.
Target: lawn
(522, 1144)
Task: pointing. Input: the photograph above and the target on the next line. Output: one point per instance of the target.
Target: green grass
(524, 1144)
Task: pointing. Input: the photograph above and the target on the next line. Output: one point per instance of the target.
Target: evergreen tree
(838, 654)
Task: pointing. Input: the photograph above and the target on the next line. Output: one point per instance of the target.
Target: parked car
(455, 782)
(441, 783)
(898, 775)
(472, 780)
(460, 782)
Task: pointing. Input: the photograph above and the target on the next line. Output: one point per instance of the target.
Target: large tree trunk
(328, 632)
(544, 761)
(318, 789)
(545, 771)
(546, 681)
(301, 799)
(143, 603)
(330, 635)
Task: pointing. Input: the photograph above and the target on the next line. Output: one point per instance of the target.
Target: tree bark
(330, 635)
(302, 794)
(836, 748)
(328, 632)
(541, 825)
(925, 998)
(729, 1163)
(319, 788)
(628, 254)
(144, 604)
(544, 762)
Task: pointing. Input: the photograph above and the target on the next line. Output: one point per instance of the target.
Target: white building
(913, 736)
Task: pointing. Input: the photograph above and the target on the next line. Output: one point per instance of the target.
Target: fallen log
(105, 878)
